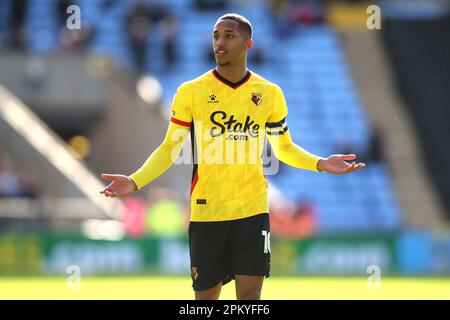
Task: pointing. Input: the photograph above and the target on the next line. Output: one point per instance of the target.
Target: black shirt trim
(233, 85)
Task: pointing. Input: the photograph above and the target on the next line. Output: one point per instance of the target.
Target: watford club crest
(256, 98)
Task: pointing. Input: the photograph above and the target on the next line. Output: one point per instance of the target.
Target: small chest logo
(256, 98)
(213, 99)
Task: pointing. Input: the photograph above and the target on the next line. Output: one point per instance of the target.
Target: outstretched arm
(337, 164)
(290, 153)
(156, 164)
(163, 157)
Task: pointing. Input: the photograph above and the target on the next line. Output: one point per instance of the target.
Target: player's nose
(220, 43)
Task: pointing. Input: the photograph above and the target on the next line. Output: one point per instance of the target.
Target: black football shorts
(221, 249)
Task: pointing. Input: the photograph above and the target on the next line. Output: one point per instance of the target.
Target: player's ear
(249, 43)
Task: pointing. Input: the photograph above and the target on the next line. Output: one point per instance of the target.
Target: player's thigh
(251, 246)
(208, 248)
(248, 287)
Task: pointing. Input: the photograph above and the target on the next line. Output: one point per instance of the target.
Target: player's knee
(206, 296)
(249, 294)
(209, 294)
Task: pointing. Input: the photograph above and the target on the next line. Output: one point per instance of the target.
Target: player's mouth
(220, 52)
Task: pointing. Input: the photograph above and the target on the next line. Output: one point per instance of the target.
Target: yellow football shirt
(228, 123)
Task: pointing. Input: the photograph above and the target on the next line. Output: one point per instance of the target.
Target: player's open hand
(337, 164)
(120, 186)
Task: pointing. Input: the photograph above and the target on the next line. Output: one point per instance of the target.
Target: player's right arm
(164, 156)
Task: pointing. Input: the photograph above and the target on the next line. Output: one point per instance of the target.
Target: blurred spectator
(256, 56)
(280, 209)
(164, 216)
(30, 181)
(304, 220)
(158, 10)
(307, 12)
(76, 40)
(290, 219)
(16, 36)
(211, 4)
(134, 216)
(169, 29)
(346, 145)
(9, 184)
(375, 147)
(281, 17)
(141, 19)
(375, 150)
(295, 221)
(139, 22)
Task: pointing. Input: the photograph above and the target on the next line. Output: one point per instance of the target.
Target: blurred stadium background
(76, 103)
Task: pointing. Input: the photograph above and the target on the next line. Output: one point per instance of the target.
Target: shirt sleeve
(182, 106)
(163, 157)
(280, 139)
(276, 123)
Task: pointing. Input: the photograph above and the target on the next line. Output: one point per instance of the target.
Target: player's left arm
(292, 154)
(286, 150)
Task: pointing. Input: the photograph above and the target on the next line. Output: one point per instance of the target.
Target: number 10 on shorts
(266, 241)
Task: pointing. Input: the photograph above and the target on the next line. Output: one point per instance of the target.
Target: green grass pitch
(177, 288)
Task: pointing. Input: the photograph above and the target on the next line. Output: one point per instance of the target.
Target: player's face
(230, 44)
